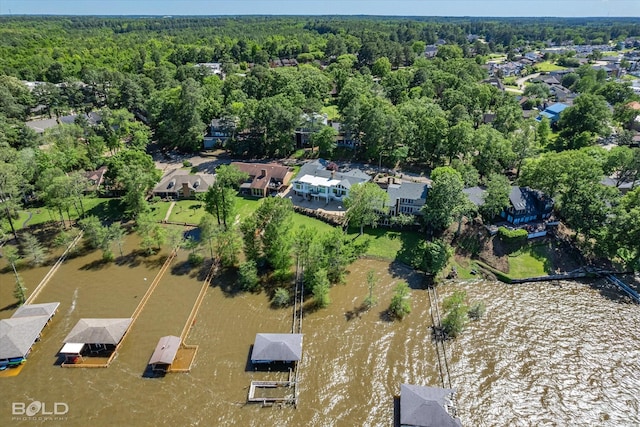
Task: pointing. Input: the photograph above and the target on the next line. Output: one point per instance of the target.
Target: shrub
(516, 235)
(195, 259)
(456, 318)
(477, 310)
(400, 305)
(186, 163)
(281, 297)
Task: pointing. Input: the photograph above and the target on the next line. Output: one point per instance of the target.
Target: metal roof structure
(98, 331)
(426, 407)
(165, 351)
(277, 348)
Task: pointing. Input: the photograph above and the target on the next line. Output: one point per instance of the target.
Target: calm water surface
(543, 355)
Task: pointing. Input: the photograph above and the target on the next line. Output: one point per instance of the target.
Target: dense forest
(401, 107)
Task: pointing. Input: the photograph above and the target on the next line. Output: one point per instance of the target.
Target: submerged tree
(456, 317)
(32, 249)
(400, 302)
(248, 276)
(371, 299)
(281, 297)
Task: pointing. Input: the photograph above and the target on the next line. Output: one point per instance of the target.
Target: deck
(270, 392)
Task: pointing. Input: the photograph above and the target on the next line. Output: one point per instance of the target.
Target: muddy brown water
(544, 354)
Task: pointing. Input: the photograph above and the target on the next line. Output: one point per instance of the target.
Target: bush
(195, 259)
(477, 310)
(456, 318)
(186, 163)
(512, 235)
(400, 305)
(281, 298)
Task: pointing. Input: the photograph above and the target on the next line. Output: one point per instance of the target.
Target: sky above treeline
(494, 8)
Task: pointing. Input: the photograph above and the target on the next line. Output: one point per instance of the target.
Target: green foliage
(248, 276)
(445, 199)
(20, 291)
(456, 318)
(365, 203)
(497, 196)
(400, 305)
(433, 256)
(371, 299)
(32, 249)
(320, 288)
(515, 235)
(281, 297)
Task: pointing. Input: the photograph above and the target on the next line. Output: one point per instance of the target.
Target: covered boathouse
(94, 337)
(22, 330)
(165, 353)
(427, 407)
(282, 348)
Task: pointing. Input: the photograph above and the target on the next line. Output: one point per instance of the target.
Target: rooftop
(98, 331)
(426, 406)
(277, 348)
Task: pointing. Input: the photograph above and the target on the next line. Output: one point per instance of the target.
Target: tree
(588, 115)
(400, 305)
(220, 197)
(248, 276)
(8, 193)
(325, 140)
(33, 250)
(20, 291)
(444, 199)
(381, 67)
(496, 197)
(495, 152)
(524, 143)
(320, 288)
(153, 235)
(371, 299)
(434, 256)
(454, 321)
(365, 203)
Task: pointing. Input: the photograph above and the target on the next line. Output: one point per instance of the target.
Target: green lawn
(530, 261)
(389, 244)
(331, 111)
(300, 220)
(189, 211)
(547, 66)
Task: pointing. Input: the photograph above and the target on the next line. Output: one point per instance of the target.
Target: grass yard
(531, 261)
(390, 244)
(546, 66)
(189, 211)
(331, 111)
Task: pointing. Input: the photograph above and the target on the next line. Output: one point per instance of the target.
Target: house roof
(41, 125)
(407, 190)
(174, 181)
(261, 174)
(425, 406)
(475, 195)
(165, 351)
(17, 335)
(46, 309)
(526, 199)
(98, 331)
(556, 108)
(277, 347)
(318, 168)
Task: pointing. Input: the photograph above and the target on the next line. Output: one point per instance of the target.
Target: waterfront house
(309, 123)
(427, 407)
(407, 198)
(219, 133)
(264, 178)
(316, 182)
(284, 348)
(180, 184)
(527, 205)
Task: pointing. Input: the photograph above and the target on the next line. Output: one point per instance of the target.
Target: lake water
(544, 354)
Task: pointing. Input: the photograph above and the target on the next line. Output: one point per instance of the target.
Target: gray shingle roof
(98, 331)
(407, 190)
(475, 195)
(425, 406)
(173, 182)
(166, 350)
(18, 334)
(277, 347)
(347, 178)
(46, 309)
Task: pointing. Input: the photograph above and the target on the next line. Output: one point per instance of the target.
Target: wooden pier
(286, 388)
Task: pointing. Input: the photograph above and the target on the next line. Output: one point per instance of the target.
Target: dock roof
(425, 406)
(46, 309)
(17, 335)
(277, 348)
(98, 331)
(165, 351)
